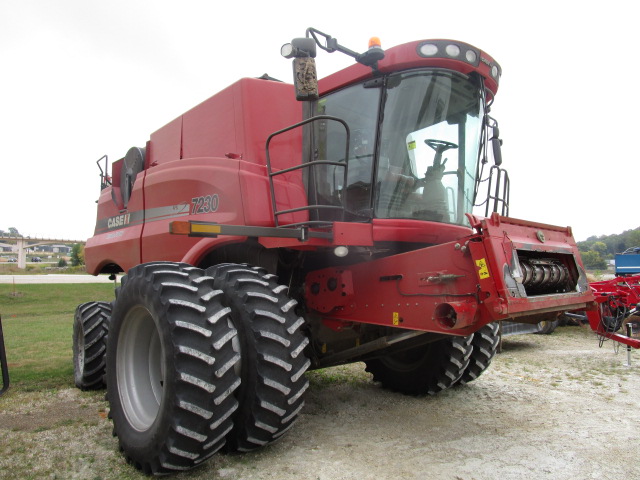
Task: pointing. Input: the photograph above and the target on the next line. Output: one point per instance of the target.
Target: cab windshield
(429, 145)
(413, 150)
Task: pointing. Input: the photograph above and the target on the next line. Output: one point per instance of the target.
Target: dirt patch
(549, 407)
(50, 411)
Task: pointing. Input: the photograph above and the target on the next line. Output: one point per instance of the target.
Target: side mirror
(496, 144)
(305, 78)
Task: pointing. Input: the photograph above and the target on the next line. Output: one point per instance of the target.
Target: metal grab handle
(3, 363)
(305, 165)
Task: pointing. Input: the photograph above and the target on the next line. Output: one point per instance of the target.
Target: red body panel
(234, 122)
(470, 279)
(165, 144)
(170, 190)
(394, 291)
(214, 153)
(429, 233)
(117, 234)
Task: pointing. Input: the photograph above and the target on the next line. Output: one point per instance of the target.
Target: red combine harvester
(264, 236)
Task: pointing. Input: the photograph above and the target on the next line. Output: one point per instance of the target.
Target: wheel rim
(139, 368)
(79, 340)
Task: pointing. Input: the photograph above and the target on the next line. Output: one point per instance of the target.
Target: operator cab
(414, 147)
(397, 136)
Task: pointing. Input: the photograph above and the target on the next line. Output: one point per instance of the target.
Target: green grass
(351, 374)
(38, 322)
(40, 269)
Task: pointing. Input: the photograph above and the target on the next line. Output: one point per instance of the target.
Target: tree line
(596, 250)
(13, 231)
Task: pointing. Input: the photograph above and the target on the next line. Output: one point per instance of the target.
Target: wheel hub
(140, 368)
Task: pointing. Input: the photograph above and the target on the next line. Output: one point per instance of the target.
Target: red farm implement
(616, 303)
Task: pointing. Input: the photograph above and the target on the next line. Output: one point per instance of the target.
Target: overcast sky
(81, 78)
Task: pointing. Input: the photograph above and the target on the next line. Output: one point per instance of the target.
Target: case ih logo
(119, 221)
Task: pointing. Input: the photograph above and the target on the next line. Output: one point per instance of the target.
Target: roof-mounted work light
(457, 51)
(299, 48)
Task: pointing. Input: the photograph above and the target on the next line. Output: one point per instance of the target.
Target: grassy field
(38, 322)
(43, 268)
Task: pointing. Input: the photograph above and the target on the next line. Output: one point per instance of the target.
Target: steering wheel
(440, 145)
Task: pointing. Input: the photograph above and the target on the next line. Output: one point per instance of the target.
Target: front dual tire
(273, 383)
(190, 363)
(170, 368)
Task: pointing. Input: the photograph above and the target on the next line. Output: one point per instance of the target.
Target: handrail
(105, 179)
(499, 178)
(312, 163)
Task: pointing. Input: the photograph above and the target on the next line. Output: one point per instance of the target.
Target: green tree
(584, 246)
(632, 239)
(600, 247)
(77, 254)
(593, 260)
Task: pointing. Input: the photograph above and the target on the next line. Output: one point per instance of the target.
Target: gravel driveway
(549, 407)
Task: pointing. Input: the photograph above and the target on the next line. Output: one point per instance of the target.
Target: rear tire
(272, 347)
(563, 320)
(547, 327)
(170, 368)
(427, 369)
(485, 345)
(90, 329)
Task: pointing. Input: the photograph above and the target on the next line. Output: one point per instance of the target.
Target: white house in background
(61, 248)
(55, 248)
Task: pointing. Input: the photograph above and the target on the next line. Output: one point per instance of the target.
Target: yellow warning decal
(411, 145)
(396, 318)
(483, 271)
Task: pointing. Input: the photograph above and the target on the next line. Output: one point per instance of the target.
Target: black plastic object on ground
(3, 363)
